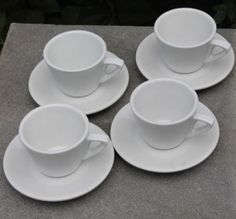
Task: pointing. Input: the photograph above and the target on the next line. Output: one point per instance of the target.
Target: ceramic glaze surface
(44, 90)
(78, 62)
(166, 112)
(57, 138)
(22, 174)
(134, 150)
(187, 39)
(151, 66)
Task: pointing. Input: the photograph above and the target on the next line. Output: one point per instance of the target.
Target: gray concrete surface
(206, 191)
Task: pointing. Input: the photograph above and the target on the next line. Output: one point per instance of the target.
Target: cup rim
(147, 83)
(67, 106)
(184, 9)
(47, 60)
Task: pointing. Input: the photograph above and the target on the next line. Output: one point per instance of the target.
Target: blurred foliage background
(106, 12)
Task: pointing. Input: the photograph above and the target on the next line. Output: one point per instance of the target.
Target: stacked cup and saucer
(58, 154)
(165, 128)
(186, 46)
(77, 69)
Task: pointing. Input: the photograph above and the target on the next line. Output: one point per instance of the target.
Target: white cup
(57, 138)
(187, 39)
(78, 62)
(165, 111)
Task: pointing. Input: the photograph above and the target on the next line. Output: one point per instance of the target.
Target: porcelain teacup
(57, 138)
(78, 62)
(187, 39)
(166, 111)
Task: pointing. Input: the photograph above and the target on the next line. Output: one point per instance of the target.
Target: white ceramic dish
(131, 147)
(44, 91)
(149, 62)
(23, 176)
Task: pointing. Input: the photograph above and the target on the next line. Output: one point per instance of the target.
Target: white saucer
(131, 147)
(23, 176)
(151, 66)
(44, 91)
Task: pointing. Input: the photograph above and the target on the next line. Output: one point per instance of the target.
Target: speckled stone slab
(206, 191)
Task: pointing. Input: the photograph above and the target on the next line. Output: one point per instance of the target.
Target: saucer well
(131, 147)
(26, 179)
(44, 91)
(151, 66)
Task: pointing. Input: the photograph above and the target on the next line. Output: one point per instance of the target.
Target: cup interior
(74, 50)
(163, 101)
(53, 128)
(185, 27)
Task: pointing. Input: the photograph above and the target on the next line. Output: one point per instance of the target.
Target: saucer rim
(154, 170)
(145, 74)
(64, 198)
(94, 110)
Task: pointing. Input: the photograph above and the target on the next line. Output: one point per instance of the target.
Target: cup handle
(118, 63)
(102, 143)
(208, 122)
(223, 44)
